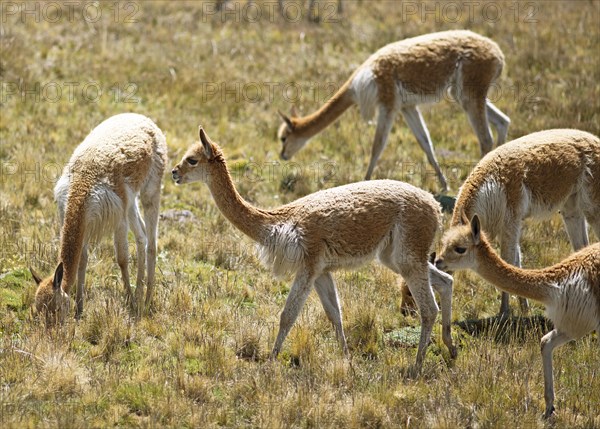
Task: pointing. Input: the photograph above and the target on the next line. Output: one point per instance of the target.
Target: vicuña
(401, 76)
(121, 159)
(343, 227)
(570, 290)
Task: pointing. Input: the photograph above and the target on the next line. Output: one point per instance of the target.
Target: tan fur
(570, 290)
(337, 228)
(121, 158)
(426, 63)
(408, 73)
(552, 165)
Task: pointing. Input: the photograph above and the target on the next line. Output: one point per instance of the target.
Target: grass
(200, 358)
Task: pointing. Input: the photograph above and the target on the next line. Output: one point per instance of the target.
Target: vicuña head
(50, 299)
(289, 136)
(460, 246)
(197, 163)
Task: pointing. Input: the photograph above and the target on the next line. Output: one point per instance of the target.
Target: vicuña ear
(206, 143)
(293, 111)
(476, 229)
(286, 119)
(58, 276)
(35, 275)
(432, 257)
(464, 220)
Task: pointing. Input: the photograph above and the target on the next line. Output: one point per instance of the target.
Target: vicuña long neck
(531, 284)
(310, 125)
(72, 234)
(250, 220)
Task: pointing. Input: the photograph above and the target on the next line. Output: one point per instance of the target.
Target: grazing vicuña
(401, 76)
(122, 158)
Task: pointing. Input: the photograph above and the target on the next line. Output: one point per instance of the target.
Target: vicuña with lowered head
(122, 158)
(401, 76)
(534, 176)
(342, 227)
(570, 290)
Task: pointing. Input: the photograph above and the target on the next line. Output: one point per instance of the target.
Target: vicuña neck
(72, 234)
(250, 220)
(531, 284)
(310, 125)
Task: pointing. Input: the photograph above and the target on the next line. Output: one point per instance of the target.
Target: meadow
(200, 358)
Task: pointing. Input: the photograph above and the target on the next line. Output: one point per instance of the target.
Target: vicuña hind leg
(328, 295)
(417, 279)
(476, 110)
(416, 123)
(384, 125)
(550, 341)
(474, 102)
(416, 275)
(138, 228)
(510, 251)
(575, 223)
(299, 292)
(442, 283)
(122, 254)
(150, 198)
(499, 120)
(594, 221)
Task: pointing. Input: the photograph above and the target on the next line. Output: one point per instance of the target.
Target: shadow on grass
(507, 329)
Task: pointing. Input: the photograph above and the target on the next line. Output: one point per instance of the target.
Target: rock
(176, 215)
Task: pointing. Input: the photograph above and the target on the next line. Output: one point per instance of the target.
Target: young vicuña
(401, 76)
(534, 176)
(122, 158)
(570, 290)
(337, 228)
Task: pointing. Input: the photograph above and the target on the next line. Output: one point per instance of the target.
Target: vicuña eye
(283, 139)
(460, 250)
(192, 161)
